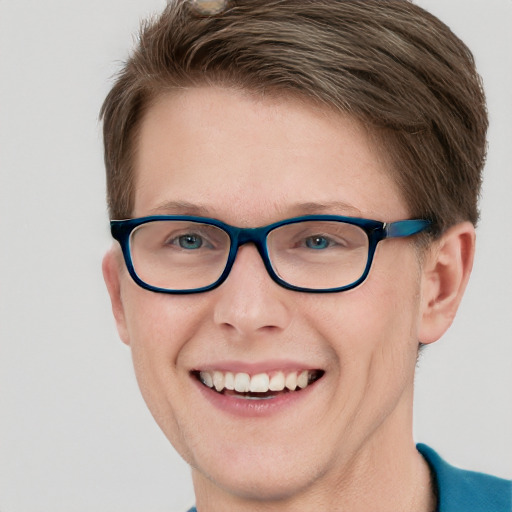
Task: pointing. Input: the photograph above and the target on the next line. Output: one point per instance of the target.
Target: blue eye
(190, 241)
(317, 242)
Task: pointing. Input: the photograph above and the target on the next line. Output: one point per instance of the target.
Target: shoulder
(469, 491)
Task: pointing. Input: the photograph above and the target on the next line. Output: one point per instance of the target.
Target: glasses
(315, 253)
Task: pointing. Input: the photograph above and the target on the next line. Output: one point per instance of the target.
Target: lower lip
(254, 407)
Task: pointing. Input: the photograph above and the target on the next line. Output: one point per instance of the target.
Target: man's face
(250, 162)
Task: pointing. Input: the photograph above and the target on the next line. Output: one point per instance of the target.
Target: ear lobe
(445, 274)
(112, 267)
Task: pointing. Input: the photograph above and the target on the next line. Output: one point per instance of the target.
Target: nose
(249, 302)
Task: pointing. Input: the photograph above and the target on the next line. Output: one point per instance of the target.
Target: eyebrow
(181, 208)
(331, 207)
(297, 209)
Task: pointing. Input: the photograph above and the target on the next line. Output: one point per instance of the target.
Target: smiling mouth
(261, 386)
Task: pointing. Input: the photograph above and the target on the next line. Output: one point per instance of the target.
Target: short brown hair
(388, 63)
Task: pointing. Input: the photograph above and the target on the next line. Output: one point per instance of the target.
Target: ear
(445, 274)
(112, 267)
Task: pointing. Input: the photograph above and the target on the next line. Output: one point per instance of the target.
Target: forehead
(257, 159)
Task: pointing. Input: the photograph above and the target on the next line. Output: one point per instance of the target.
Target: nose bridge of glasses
(256, 236)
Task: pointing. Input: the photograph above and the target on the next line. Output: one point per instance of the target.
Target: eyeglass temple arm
(404, 228)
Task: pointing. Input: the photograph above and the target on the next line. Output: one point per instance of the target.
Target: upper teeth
(259, 383)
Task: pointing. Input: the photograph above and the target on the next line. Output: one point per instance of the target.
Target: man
(301, 180)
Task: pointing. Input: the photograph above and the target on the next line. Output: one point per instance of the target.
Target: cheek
(372, 329)
(377, 314)
(159, 327)
(160, 324)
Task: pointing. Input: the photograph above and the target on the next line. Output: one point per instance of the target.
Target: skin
(348, 444)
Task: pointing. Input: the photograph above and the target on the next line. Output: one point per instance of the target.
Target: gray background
(74, 432)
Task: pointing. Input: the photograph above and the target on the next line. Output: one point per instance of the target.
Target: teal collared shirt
(464, 491)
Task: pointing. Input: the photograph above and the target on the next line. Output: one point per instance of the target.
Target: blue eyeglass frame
(375, 230)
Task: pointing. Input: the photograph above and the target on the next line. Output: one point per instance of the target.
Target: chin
(260, 483)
